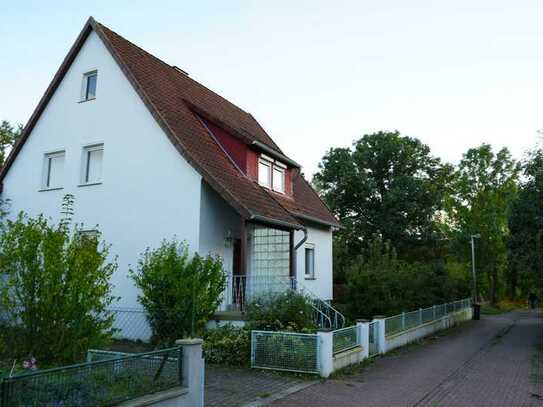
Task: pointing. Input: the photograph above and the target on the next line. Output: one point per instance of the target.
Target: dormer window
(271, 174)
(278, 179)
(265, 172)
(90, 80)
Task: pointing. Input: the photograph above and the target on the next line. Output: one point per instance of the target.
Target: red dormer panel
(244, 157)
(252, 165)
(236, 149)
(288, 182)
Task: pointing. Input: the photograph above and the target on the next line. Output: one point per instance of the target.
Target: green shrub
(380, 283)
(56, 288)
(179, 292)
(228, 346)
(286, 311)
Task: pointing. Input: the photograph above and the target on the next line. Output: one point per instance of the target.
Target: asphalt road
(493, 362)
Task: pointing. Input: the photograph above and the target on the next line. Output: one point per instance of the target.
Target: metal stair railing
(247, 286)
(327, 315)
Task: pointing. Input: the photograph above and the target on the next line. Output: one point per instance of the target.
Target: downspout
(294, 257)
(301, 242)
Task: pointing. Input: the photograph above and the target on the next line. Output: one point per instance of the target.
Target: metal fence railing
(345, 339)
(373, 339)
(294, 352)
(101, 383)
(408, 320)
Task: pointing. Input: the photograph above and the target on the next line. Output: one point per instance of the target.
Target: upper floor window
(53, 170)
(264, 173)
(271, 174)
(278, 179)
(90, 80)
(92, 164)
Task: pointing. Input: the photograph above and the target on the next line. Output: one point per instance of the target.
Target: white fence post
(363, 332)
(434, 312)
(326, 352)
(381, 333)
(193, 366)
(403, 321)
(420, 316)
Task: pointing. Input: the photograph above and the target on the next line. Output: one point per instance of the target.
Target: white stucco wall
(149, 192)
(321, 239)
(218, 221)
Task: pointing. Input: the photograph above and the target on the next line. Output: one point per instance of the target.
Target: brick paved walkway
(481, 363)
(231, 387)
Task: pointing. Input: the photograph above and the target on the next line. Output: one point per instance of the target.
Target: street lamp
(473, 237)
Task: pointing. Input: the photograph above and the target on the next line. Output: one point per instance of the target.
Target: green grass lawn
(502, 307)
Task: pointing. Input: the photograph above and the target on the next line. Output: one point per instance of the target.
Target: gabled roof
(173, 97)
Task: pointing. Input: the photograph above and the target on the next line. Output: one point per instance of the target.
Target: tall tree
(526, 227)
(484, 190)
(386, 185)
(8, 136)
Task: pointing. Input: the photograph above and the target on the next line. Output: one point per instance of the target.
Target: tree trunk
(493, 283)
(513, 283)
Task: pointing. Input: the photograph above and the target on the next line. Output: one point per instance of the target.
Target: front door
(238, 280)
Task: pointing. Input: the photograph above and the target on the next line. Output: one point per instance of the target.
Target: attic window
(90, 80)
(91, 172)
(53, 170)
(271, 174)
(278, 179)
(264, 173)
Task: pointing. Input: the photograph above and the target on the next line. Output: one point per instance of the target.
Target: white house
(149, 153)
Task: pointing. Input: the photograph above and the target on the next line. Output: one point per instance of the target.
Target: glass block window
(269, 251)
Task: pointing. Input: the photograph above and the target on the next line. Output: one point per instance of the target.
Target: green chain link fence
(345, 339)
(408, 320)
(294, 352)
(101, 383)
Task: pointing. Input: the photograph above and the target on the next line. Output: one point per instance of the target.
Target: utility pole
(475, 293)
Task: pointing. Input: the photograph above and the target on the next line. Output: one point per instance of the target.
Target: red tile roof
(172, 97)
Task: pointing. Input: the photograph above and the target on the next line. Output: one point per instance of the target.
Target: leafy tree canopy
(526, 229)
(484, 189)
(387, 185)
(8, 136)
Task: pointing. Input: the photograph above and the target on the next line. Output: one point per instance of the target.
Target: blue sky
(318, 74)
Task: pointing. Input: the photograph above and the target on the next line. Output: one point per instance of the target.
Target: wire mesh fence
(345, 339)
(294, 352)
(408, 320)
(101, 383)
(130, 323)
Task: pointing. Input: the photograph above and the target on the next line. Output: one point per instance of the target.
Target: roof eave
(275, 154)
(314, 219)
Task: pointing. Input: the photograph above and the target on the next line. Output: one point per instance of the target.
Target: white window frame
(274, 166)
(90, 234)
(278, 188)
(85, 164)
(46, 170)
(269, 164)
(84, 85)
(312, 275)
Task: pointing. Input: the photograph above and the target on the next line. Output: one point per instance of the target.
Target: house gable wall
(321, 240)
(149, 192)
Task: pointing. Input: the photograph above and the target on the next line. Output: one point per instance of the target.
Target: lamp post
(475, 294)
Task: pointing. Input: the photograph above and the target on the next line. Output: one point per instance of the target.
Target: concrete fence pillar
(381, 333)
(326, 352)
(363, 333)
(193, 370)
